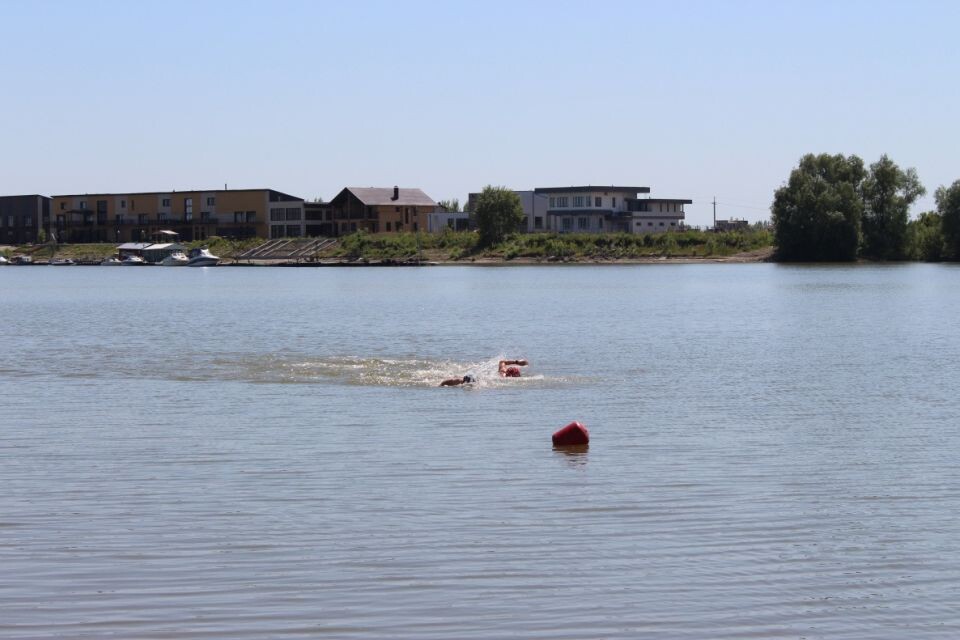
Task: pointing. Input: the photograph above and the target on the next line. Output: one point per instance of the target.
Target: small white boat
(201, 257)
(3, 260)
(62, 262)
(112, 261)
(131, 260)
(175, 259)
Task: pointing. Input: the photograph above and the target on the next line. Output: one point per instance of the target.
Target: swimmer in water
(511, 368)
(453, 382)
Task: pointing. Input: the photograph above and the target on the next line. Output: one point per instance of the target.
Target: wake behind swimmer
(506, 369)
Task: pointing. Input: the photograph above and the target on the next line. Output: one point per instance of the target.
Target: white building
(592, 209)
(453, 220)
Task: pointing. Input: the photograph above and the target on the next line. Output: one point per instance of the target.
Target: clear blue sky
(694, 99)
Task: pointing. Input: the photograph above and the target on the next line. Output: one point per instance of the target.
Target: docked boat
(62, 262)
(3, 260)
(112, 261)
(201, 257)
(175, 259)
(131, 260)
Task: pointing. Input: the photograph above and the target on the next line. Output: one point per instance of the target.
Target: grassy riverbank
(552, 247)
(95, 252)
(462, 247)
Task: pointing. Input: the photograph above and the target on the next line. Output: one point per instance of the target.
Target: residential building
(441, 219)
(319, 219)
(22, 217)
(597, 209)
(194, 215)
(376, 210)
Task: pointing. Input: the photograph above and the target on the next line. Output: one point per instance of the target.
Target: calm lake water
(264, 453)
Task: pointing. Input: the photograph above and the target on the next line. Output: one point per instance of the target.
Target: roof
(384, 196)
(170, 193)
(591, 189)
(670, 200)
(134, 246)
(162, 246)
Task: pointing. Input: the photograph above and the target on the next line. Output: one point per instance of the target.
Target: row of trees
(835, 208)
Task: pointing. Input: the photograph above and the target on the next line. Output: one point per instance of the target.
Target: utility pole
(714, 213)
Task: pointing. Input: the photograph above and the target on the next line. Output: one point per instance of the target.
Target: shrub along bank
(456, 246)
(465, 246)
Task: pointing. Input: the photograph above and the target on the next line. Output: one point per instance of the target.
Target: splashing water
(385, 372)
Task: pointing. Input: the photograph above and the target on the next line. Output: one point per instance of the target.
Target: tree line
(835, 208)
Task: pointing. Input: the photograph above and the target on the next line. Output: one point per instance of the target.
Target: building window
(143, 218)
(211, 202)
(538, 222)
(661, 224)
(165, 202)
(597, 201)
(600, 223)
(567, 224)
(673, 224)
(396, 209)
(276, 215)
(649, 224)
(123, 204)
(578, 201)
(293, 213)
(613, 203)
(553, 202)
(83, 204)
(63, 205)
(583, 223)
(251, 216)
(388, 226)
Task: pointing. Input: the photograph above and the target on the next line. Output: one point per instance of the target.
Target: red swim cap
(513, 372)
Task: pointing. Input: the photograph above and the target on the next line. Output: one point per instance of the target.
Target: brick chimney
(396, 193)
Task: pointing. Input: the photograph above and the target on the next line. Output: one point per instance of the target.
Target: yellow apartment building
(195, 215)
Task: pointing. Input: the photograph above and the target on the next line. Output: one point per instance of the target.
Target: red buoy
(571, 435)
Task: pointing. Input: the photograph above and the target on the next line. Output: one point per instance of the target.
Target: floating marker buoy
(571, 435)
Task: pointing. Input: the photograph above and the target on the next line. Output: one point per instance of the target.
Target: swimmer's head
(512, 372)
(468, 379)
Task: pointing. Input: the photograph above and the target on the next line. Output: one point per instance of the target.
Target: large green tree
(888, 193)
(498, 213)
(925, 237)
(948, 206)
(817, 214)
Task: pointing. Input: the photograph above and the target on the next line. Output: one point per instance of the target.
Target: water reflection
(574, 455)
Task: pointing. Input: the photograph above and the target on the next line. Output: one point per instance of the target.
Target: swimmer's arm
(504, 363)
(452, 382)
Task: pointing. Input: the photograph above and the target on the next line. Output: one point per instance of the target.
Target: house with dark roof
(380, 209)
